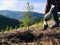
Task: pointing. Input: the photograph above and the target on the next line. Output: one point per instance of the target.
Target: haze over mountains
(12, 18)
(18, 14)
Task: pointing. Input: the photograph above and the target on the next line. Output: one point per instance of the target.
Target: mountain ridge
(18, 14)
(6, 22)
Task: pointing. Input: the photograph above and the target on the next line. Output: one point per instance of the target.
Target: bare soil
(34, 36)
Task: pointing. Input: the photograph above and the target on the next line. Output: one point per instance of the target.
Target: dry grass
(36, 30)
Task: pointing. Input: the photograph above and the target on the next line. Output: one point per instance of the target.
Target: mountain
(8, 22)
(18, 14)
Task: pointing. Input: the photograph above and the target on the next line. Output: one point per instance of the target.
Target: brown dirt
(34, 36)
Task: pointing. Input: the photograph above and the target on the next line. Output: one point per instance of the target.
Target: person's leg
(55, 16)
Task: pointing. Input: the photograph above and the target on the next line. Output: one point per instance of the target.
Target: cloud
(39, 7)
(20, 5)
(12, 5)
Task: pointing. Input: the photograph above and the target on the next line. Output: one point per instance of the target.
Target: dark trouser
(55, 15)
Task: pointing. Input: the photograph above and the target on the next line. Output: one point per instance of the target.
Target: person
(53, 11)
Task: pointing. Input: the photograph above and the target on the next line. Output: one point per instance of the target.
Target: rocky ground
(34, 36)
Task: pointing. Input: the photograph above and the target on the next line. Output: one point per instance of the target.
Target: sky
(20, 5)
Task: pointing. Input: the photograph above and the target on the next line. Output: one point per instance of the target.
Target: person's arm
(48, 6)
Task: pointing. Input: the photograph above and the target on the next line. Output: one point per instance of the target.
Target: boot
(45, 25)
(55, 26)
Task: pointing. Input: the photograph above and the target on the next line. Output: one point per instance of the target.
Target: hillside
(34, 36)
(6, 22)
(18, 14)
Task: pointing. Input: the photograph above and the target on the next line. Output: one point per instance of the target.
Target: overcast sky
(20, 5)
